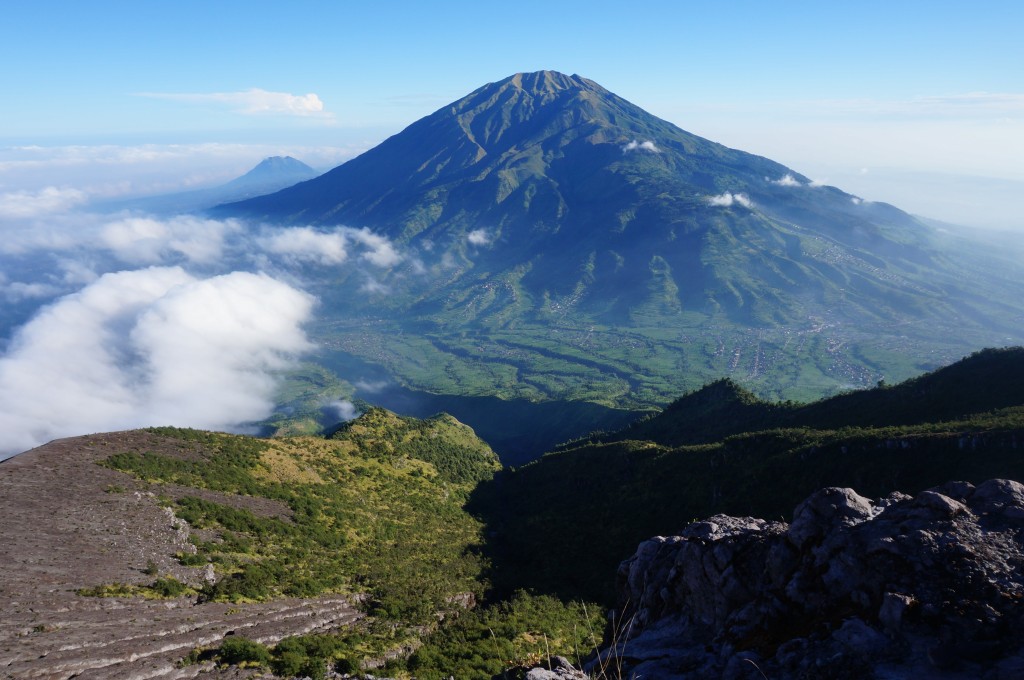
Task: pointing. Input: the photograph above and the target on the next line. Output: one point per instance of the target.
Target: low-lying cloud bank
(148, 347)
(120, 319)
(43, 179)
(81, 247)
(123, 320)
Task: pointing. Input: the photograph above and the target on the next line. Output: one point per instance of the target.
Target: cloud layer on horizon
(32, 175)
(252, 102)
(23, 204)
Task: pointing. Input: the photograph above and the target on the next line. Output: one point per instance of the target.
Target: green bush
(292, 663)
(169, 587)
(493, 640)
(237, 650)
(191, 559)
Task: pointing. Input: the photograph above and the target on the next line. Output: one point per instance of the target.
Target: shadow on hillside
(562, 525)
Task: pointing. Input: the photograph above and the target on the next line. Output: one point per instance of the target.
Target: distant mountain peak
(272, 174)
(277, 165)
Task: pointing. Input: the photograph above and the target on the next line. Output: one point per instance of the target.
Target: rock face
(556, 668)
(924, 587)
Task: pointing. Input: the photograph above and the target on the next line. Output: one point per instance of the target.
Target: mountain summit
(537, 148)
(553, 200)
(274, 171)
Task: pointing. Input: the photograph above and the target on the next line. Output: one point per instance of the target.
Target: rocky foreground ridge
(904, 587)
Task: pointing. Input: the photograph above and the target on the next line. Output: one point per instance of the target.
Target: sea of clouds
(111, 321)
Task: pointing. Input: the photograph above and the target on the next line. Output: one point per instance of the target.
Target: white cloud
(725, 200)
(479, 237)
(305, 244)
(68, 251)
(371, 386)
(76, 273)
(343, 409)
(133, 239)
(786, 180)
(18, 291)
(380, 251)
(372, 286)
(150, 347)
(252, 102)
(23, 204)
(145, 240)
(641, 146)
(52, 235)
(417, 266)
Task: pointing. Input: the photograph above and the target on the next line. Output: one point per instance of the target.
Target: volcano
(554, 203)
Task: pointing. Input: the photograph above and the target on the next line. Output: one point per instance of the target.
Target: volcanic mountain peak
(553, 139)
(273, 173)
(529, 108)
(539, 84)
(544, 197)
(278, 165)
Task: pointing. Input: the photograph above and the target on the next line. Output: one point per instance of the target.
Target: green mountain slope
(985, 381)
(560, 242)
(375, 509)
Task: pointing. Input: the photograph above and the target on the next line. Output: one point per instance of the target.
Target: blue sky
(917, 103)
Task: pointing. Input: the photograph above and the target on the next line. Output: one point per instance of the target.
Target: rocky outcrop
(923, 587)
(556, 668)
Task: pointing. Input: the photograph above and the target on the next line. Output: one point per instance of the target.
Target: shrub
(169, 587)
(236, 650)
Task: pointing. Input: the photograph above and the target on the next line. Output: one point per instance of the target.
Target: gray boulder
(905, 587)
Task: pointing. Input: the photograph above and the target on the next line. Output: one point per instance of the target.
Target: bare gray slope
(67, 523)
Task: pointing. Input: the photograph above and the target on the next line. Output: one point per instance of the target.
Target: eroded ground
(67, 523)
